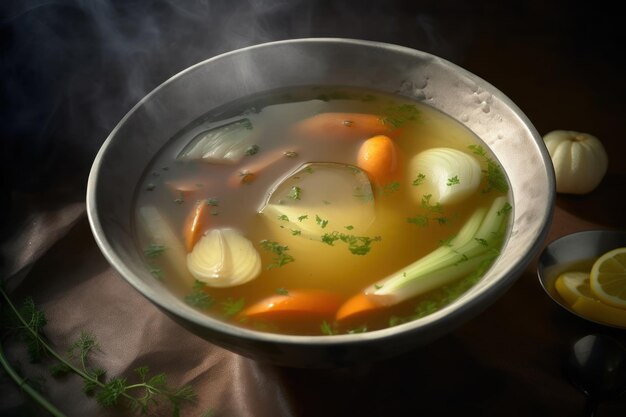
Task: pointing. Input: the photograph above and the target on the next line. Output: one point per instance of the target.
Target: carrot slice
(356, 305)
(343, 126)
(248, 173)
(295, 304)
(194, 225)
(378, 157)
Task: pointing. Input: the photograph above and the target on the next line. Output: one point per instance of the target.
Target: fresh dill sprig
(141, 396)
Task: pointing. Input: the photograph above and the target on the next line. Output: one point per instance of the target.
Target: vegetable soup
(321, 211)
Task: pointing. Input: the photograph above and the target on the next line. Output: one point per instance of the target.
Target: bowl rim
(450, 315)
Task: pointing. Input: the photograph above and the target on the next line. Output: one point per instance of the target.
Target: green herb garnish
(252, 150)
(231, 307)
(398, 114)
(281, 257)
(283, 217)
(295, 232)
(282, 291)
(154, 250)
(295, 193)
(321, 222)
(496, 180)
(391, 187)
(142, 395)
(198, 297)
(326, 328)
(453, 181)
(306, 216)
(357, 245)
(419, 220)
(506, 209)
(360, 329)
(432, 208)
(419, 180)
(212, 202)
(156, 272)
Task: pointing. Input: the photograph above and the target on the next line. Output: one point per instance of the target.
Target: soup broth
(305, 211)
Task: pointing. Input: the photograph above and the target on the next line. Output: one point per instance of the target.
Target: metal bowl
(478, 105)
(573, 250)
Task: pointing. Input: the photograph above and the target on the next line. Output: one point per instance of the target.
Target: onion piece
(448, 175)
(159, 232)
(321, 197)
(224, 144)
(224, 258)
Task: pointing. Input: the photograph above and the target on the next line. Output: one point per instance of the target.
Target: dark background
(71, 69)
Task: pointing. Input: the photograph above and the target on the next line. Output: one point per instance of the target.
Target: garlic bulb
(447, 174)
(224, 258)
(579, 160)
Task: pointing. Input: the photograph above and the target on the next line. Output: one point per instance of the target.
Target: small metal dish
(575, 251)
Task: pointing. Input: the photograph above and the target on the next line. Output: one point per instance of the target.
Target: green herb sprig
(141, 396)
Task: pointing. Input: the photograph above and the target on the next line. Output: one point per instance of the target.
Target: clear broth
(316, 265)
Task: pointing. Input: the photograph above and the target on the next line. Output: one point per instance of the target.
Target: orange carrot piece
(184, 189)
(248, 173)
(295, 304)
(378, 157)
(194, 224)
(353, 126)
(356, 305)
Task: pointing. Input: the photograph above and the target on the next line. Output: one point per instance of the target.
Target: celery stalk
(475, 243)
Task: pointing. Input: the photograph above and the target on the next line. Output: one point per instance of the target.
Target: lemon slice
(600, 312)
(608, 278)
(573, 285)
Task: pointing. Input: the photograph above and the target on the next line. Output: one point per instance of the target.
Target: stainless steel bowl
(174, 104)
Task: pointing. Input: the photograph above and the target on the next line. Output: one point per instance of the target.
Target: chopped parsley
(357, 245)
(349, 227)
(283, 217)
(481, 241)
(300, 218)
(432, 208)
(295, 232)
(282, 291)
(496, 180)
(156, 272)
(360, 329)
(290, 154)
(419, 180)
(326, 328)
(212, 202)
(398, 114)
(198, 297)
(321, 222)
(391, 187)
(419, 220)
(231, 307)
(281, 257)
(295, 193)
(252, 150)
(153, 250)
(505, 210)
(453, 181)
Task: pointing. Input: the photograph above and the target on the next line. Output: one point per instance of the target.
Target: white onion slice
(225, 144)
(449, 175)
(224, 258)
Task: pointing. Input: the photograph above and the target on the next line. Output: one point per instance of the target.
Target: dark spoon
(597, 366)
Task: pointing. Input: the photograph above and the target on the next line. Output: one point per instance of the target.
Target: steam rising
(71, 69)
